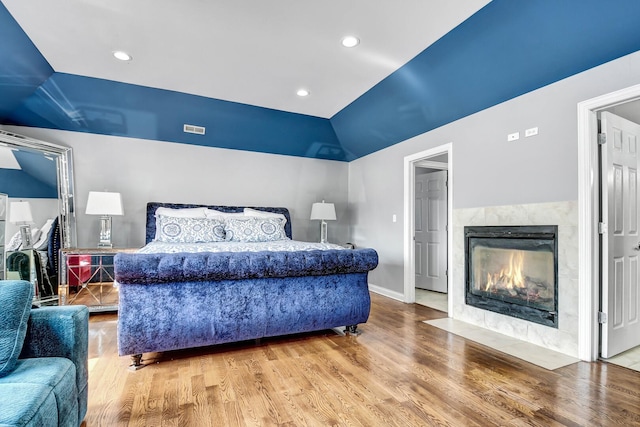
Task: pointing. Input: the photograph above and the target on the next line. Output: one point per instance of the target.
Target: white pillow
(212, 213)
(35, 234)
(182, 213)
(41, 244)
(263, 214)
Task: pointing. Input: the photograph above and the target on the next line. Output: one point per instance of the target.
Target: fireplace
(513, 271)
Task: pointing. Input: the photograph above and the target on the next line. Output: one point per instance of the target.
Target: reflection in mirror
(41, 172)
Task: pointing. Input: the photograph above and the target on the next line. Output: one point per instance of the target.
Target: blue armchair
(43, 360)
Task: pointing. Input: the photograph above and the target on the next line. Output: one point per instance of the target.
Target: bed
(176, 294)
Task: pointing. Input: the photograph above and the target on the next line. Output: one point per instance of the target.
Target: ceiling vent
(198, 130)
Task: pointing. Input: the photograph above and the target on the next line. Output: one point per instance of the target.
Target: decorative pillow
(189, 230)
(14, 242)
(252, 229)
(178, 213)
(263, 214)
(15, 305)
(212, 213)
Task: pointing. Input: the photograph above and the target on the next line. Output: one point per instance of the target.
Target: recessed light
(303, 92)
(350, 41)
(122, 56)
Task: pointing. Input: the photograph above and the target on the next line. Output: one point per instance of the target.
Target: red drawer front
(78, 269)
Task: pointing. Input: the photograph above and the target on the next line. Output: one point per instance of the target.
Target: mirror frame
(64, 163)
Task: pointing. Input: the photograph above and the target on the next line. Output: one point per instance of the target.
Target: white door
(431, 231)
(620, 244)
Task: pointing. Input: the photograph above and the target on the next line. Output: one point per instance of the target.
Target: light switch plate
(530, 132)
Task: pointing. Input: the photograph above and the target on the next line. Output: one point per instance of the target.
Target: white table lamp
(105, 204)
(323, 212)
(20, 214)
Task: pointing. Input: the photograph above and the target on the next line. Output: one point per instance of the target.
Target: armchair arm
(61, 332)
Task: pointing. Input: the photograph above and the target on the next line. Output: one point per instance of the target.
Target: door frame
(588, 217)
(410, 163)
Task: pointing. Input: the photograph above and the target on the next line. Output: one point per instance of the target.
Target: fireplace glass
(513, 271)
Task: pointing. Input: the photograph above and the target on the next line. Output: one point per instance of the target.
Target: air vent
(198, 130)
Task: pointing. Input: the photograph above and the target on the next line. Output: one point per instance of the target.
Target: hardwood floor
(399, 372)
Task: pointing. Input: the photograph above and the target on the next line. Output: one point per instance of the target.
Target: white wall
(145, 171)
(487, 170)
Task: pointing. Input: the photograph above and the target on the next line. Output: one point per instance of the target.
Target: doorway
(593, 262)
(619, 187)
(427, 236)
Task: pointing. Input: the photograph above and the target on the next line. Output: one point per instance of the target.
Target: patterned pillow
(252, 229)
(189, 230)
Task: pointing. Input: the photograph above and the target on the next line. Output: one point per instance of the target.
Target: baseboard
(386, 292)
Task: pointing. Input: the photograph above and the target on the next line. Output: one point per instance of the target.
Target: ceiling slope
(505, 50)
(22, 68)
(85, 104)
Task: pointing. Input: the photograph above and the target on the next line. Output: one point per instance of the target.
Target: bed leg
(352, 330)
(136, 362)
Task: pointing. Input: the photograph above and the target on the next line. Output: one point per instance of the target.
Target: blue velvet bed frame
(183, 300)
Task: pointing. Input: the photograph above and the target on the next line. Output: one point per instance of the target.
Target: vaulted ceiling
(234, 67)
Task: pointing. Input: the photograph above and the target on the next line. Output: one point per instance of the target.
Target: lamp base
(25, 235)
(105, 232)
(323, 231)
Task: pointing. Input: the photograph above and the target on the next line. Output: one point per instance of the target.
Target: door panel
(619, 293)
(431, 231)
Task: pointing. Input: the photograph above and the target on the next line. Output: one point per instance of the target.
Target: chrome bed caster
(136, 362)
(352, 330)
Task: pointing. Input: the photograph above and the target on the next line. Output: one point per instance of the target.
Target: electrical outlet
(530, 132)
(513, 136)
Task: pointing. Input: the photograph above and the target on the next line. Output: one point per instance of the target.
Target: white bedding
(278, 245)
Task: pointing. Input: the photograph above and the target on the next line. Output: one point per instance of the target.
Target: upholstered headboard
(152, 206)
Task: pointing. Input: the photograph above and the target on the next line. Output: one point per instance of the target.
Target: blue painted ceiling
(506, 49)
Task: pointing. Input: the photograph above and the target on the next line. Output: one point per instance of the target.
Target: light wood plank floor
(399, 372)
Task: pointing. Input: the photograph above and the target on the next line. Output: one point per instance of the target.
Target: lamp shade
(323, 211)
(104, 203)
(20, 212)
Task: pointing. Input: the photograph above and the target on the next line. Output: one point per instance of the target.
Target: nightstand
(87, 278)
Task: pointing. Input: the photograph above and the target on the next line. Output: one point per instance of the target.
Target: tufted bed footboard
(171, 301)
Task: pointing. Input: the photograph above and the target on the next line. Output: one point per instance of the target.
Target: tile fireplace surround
(565, 216)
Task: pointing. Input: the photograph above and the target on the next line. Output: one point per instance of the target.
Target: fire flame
(509, 276)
